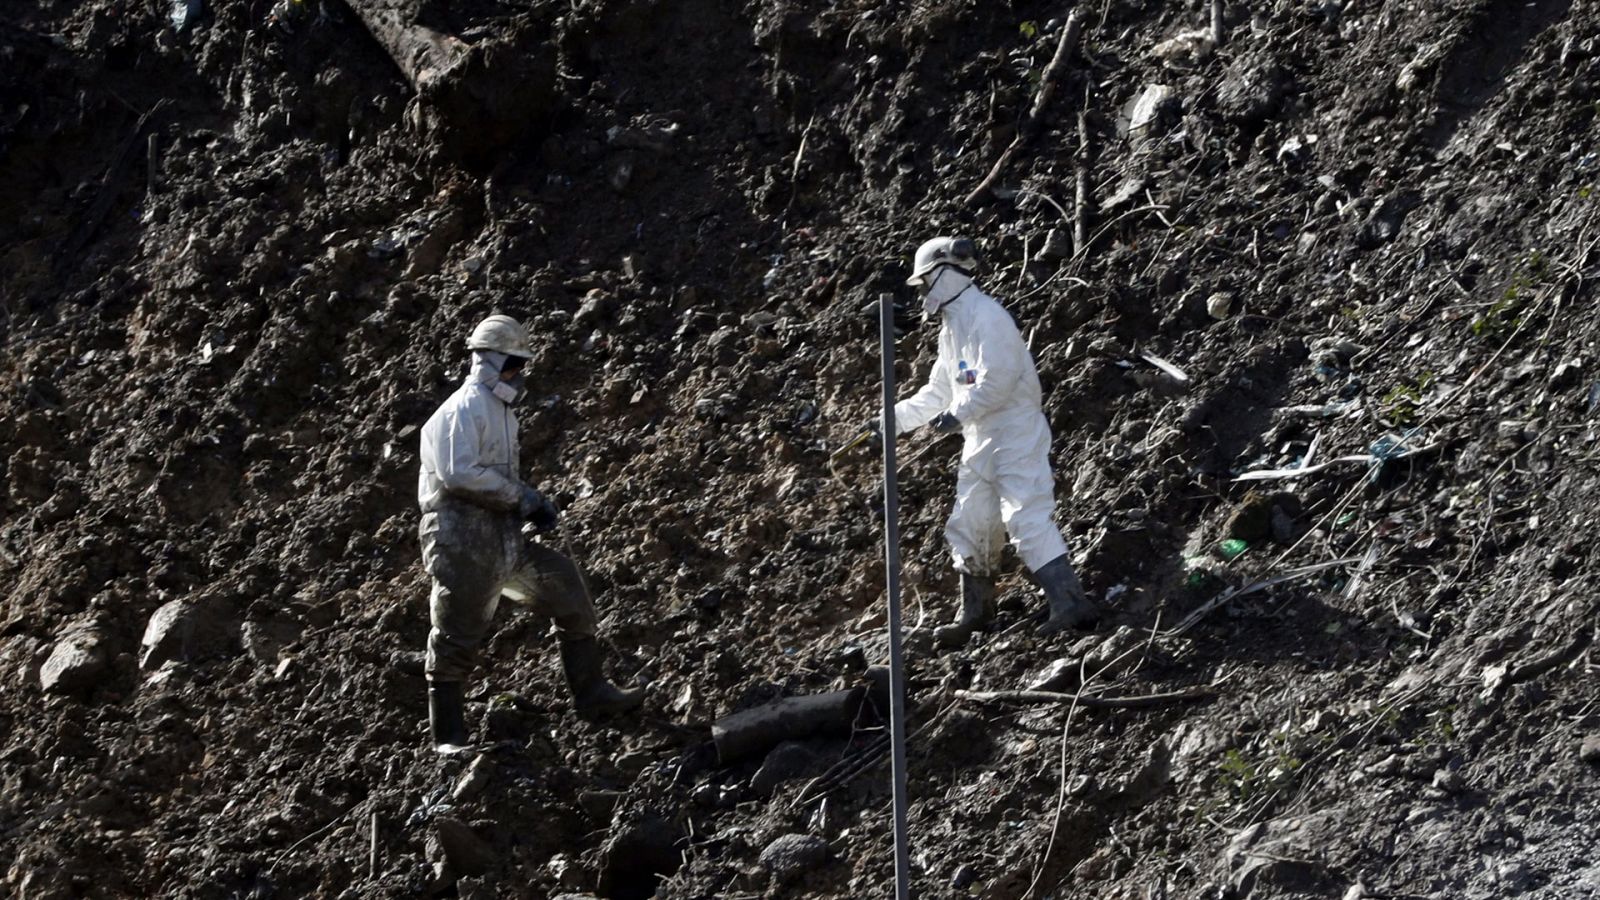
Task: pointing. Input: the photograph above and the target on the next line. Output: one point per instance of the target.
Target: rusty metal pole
(891, 558)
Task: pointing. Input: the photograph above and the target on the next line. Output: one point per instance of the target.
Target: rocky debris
(637, 854)
(1116, 653)
(1185, 48)
(1251, 90)
(473, 779)
(793, 855)
(1061, 675)
(212, 390)
(265, 641)
(1281, 855)
(456, 848)
(77, 661)
(1385, 221)
(188, 631)
(785, 762)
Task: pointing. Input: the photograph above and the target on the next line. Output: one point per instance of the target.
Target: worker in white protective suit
(984, 385)
(473, 545)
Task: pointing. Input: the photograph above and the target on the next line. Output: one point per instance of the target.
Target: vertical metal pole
(891, 559)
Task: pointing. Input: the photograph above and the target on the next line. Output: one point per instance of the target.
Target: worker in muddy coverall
(473, 506)
(984, 385)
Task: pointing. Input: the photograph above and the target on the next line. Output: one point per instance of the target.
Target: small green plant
(1585, 192)
(1505, 314)
(1029, 29)
(1238, 775)
(1403, 401)
(1442, 729)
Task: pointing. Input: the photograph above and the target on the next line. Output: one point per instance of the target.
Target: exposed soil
(216, 360)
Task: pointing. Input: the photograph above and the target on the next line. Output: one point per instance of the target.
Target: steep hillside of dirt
(238, 255)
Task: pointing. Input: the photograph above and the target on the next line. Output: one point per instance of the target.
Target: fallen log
(473, 100)
(754, 731)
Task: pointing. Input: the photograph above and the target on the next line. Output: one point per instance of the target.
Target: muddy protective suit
(985, 377)
(472, 541)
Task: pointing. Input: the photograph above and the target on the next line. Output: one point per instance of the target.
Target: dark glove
(537, 509)
(944, 423)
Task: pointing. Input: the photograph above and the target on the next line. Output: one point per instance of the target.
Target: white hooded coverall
(985, 377)
(472, 542)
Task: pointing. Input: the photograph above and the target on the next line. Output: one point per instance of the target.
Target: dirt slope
(215, 361)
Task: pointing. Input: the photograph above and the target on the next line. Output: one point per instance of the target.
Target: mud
(216, 359)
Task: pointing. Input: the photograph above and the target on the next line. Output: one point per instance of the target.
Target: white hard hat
(501, 334)
(943, 251)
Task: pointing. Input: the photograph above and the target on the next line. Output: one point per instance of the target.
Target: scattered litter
(1594, 397)
(1493, 677)
(1389, 448)
(1142, 110)
(1166, 367)
(436, 803)
(387, 248)
(1232, 548)
(1185, 47)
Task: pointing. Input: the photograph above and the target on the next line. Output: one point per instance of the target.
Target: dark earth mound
(240, 247)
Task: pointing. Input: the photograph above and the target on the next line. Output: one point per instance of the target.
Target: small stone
(1059, 675)
(1219, 305)
(1448, 781)
(964, 876)
(1056, 246)
(793, 855)
(181, 630)
(632, 763)
(1284, 530)
(1590, 751)
(601, 805)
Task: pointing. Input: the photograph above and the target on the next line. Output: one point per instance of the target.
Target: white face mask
(944, 290)
(930, 303)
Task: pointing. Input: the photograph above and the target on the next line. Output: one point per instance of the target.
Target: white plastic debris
(1186, 47)
(1142, 111)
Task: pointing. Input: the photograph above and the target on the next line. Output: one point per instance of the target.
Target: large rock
(1284, 856)
(792, 855)
(77, 661)
(188, 631)
(460, 848)
(787, 761)
(637, 854)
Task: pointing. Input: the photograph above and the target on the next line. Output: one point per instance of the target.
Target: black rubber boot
(592, 694)
(977, 610)
(447, 716)
(1069, 606)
